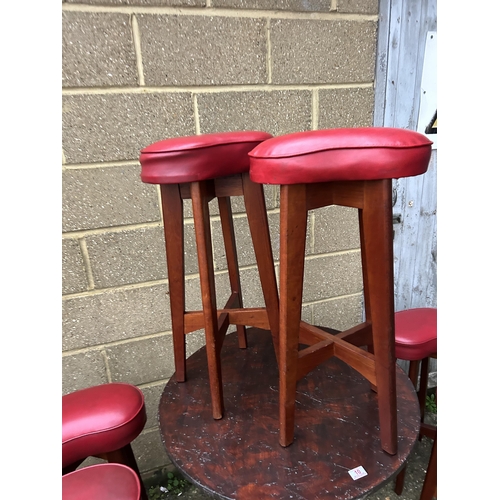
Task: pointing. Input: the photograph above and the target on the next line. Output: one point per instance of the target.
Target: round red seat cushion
(101, 482)
(100, 419)
(198, 157)
(416, 333)
(343, 154)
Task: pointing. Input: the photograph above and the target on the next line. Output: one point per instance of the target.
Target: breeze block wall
(138, 71)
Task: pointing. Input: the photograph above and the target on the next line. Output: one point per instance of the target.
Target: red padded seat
(100, 419)
(343, 154)
(416, 333)
(101, 482)
(198, 157)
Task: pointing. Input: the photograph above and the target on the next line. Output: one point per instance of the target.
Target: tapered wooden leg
(293, 225)
(413, 376)
(201, 214)
(429, 489)
(126, 456)
(226, 217)
(259, 229)
(173, 223)
(422, 391)
(376, 234)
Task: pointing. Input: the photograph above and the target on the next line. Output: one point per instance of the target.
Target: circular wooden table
(239, 457)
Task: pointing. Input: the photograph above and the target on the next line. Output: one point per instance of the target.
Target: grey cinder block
(103, 197)
(112, 127)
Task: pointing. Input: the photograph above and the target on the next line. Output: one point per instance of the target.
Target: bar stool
(201, 168)
(101, 421)
(416, 342)
(353, 168)
(101, 482)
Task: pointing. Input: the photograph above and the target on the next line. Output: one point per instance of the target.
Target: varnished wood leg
(126, 456)
(376, 233)
(259, 229)
(173, 222)
(293, 225)
(429, 488)
(422, 391)
(201, 214)
(413, 376)
(226, 217)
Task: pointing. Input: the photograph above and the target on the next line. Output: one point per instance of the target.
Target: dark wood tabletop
(239, 456)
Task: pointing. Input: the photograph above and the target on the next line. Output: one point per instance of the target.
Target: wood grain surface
(239, 456)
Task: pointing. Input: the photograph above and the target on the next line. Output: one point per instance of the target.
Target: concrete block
(319, 51)
(270, 197)
(97, 50)
(152, 3)
(199, 50)
(152, 394)
(276, 112)
(332, 276)
(141, 361)
(74, 277)
(114, 315)
(288, 5)
(346, 107)
(244, 244)
(83, 369)
(357, 6)
(251, 288)
(149, 451)
(103, 197)
(335, 228)
(194, 341)
(112, 127)
(125, 257)
(193, 291)
(340, 313)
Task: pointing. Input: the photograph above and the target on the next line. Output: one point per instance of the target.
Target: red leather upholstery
(416, 333)
(100, 419)
(101, 482)
(198, 157)
(344, 154)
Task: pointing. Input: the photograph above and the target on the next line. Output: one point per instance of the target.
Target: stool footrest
(324, 345)
(358, 335)
(248, 316)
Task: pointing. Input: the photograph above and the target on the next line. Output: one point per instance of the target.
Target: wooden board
(239, 457)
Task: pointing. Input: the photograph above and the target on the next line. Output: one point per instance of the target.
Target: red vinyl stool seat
(416, 342)
(201, 168)
(101, 482)
(353, 168)
(102, 421)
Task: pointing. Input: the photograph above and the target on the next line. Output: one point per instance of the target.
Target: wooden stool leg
(126, 456)
(413, 376)
(429, 489)
(226, 218)
(200, 198)
(173, 221)
(259, 229)
(400, 481)
(422, 391)
(293, 225)
(376, 234)
(413, 372)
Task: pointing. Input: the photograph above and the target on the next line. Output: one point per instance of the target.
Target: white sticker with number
(358, 472)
